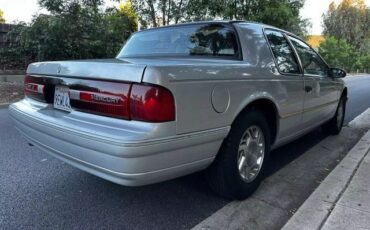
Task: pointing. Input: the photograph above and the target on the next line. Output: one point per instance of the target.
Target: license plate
(61, 98)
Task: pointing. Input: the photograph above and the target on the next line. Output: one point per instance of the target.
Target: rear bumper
(122, 154)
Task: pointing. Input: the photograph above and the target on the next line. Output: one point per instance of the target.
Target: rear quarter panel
(234, 82)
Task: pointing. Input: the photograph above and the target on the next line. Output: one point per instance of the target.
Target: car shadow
(73, 198)
(282, 156)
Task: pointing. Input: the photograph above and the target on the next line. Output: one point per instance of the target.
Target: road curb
(317, 208)
(4, 105)
(284, 191)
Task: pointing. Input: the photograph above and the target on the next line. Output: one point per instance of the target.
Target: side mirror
(337, 73)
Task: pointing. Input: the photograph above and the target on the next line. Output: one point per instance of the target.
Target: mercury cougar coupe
(214, 96)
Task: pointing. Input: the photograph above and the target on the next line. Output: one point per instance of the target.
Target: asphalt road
(38, 191)
(358, 95)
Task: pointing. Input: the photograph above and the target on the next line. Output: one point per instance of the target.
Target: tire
(334, 126)
(224, 175)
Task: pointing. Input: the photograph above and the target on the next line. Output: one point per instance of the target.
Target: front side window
(282, 51)
(211, 40)
(311, 62)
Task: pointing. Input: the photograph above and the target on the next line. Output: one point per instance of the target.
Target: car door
(288, 84)
(321, 95)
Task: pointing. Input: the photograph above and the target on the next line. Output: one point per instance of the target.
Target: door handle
(308, 88)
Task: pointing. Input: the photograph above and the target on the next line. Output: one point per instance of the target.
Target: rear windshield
(211, 40)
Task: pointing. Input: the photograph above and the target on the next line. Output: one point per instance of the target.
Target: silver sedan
(178, 99)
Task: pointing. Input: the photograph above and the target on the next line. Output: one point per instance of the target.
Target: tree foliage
(350, 20)
(80, 29)
(84, 28)
(14, 55)
(280, 13)
(74, 29)
(337, 52)
(348, 24)
(2, 19)
(121, 22)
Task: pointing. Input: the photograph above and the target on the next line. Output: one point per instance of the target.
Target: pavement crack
(273, 205)
(357, 209)
(324, 147)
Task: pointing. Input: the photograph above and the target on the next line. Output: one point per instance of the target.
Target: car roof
(258, 24)
(204, 22)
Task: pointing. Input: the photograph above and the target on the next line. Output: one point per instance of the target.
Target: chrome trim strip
(320, 106)
(234, 79)
(308, 110)
(290, 114)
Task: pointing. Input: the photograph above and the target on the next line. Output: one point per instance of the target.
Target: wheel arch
(269, 109)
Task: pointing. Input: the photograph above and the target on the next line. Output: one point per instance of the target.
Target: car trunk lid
(108, 88)
(108, 69)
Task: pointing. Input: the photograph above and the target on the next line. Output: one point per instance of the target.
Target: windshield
(214, 40)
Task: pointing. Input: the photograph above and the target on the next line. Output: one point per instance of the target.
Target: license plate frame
(62, 99)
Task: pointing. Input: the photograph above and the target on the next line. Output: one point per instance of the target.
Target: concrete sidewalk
(342, 201)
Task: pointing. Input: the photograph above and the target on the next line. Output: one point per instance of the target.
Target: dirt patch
(10, 92)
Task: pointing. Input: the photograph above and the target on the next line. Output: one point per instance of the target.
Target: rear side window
(311, 62)
(211, 40)
(283, 53)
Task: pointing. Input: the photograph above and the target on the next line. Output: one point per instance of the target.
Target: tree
(67, 6)
(2, 19)
(78, 22)
(338, 53)
(350, 21)
(280, 13)
(87, 31)
(121, 22)
(77, 29)
(12, 54)
(159, 12)
(74, 29)
(283, 14)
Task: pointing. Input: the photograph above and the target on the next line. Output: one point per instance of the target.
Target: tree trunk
(177, 17)
(169, 12)
(164, 12)
(152, 12)
(235, 10)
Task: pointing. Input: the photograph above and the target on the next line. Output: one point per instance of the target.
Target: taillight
(151, 103)
(34, 88)
(104, 98)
